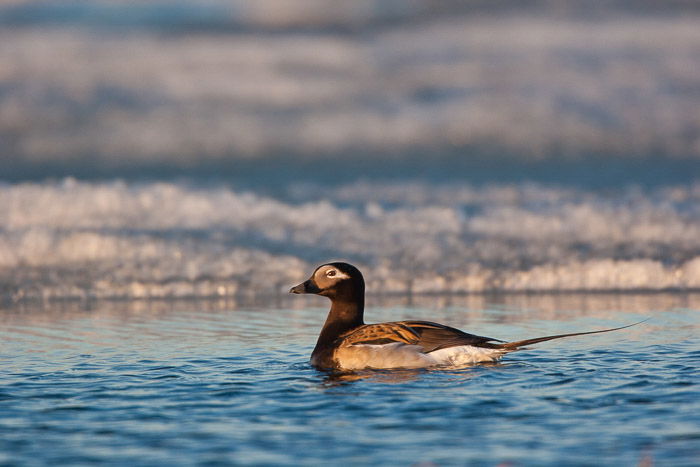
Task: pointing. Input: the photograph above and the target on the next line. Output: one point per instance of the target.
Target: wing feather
(425, 334)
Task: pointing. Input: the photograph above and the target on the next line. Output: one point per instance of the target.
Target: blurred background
(224, 148)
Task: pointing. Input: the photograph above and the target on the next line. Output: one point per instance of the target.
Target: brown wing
(382, 333)
(429, 336)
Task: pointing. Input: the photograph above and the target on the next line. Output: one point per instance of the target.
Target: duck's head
(335, 281)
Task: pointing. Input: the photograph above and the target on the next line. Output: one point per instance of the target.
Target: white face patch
(334, 273)
(330, 273)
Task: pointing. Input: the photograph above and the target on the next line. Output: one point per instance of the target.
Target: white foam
(161, 239)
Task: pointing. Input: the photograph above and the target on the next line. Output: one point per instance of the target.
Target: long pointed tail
(517, 345)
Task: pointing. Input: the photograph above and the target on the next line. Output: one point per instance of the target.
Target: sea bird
(346, 343)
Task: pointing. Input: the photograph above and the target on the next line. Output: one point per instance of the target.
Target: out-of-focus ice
(143, 87)
(75, 239)
(530, 86)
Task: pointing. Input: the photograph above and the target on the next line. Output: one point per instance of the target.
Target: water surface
(183, 383)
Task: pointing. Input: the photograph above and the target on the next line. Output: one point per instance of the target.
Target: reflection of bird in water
(396, 376)
(347, 343)
(399, 375)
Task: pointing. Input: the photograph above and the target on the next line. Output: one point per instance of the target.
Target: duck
(346, 343)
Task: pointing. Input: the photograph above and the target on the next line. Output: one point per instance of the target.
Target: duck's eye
(330, 273)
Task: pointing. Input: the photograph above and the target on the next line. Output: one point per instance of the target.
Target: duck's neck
(344, 316)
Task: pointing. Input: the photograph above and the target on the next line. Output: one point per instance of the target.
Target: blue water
(206, 383)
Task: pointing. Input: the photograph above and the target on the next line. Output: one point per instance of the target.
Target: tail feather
(518, 345)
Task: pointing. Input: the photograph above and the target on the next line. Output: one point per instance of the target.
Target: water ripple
(173, 390)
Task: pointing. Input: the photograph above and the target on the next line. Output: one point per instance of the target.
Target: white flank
(465, 355)
(398, 355)
(395, 355)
